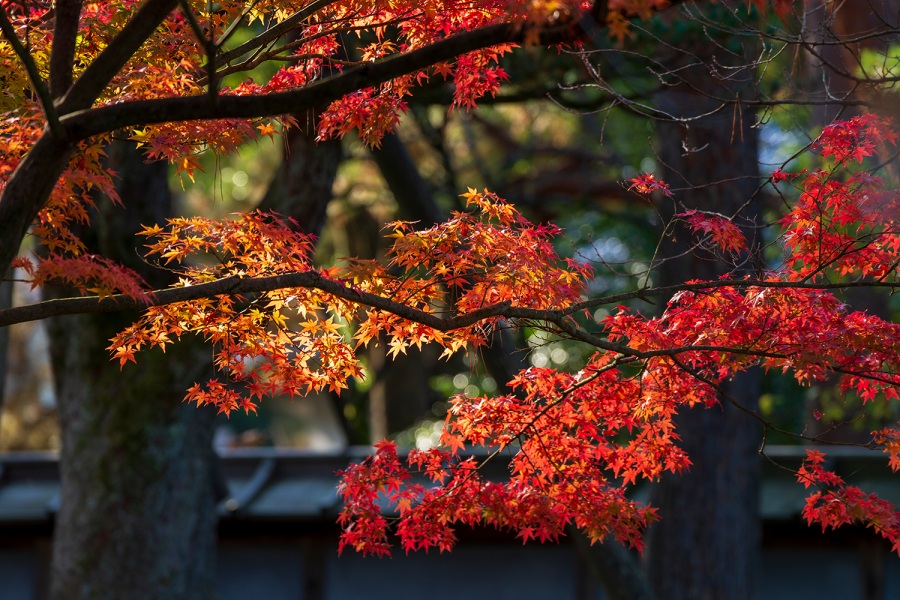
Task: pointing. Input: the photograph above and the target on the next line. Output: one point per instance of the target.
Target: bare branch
(274, 32)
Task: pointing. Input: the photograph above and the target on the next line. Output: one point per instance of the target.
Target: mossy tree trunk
(137, 516)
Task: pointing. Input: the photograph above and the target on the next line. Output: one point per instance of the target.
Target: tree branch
(239, 286)
(27, 190)
(274, 32)
(669, 290)
(88, 87)
(62, 54)
(84, 124)
(34, 76)
(234, 286)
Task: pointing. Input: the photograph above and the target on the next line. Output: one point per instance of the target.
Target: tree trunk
(137, 514)
(6, 289)
(613, 566)
(706, 545)
(302, 186)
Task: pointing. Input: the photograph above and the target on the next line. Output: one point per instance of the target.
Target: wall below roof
(278, 538)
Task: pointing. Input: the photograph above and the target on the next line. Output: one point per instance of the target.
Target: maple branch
(86, 123)
(235, 286)
(669, 290)
(275, 54)
(88, 87)
(238, 286)
(274, 32)
(34, 75)
(62, 53)
(209, 47)
(313, 279)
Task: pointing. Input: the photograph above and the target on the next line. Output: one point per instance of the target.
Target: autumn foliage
(194, 54)
(290, 340)
(278, 324)
(578, 441)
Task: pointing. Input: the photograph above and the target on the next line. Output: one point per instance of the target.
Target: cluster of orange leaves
(293, 340)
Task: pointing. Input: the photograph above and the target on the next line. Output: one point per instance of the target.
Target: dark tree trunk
(613, 566)
(302, 186)
(6, 288)
(401, 396)
(137, 514)
(706, 545)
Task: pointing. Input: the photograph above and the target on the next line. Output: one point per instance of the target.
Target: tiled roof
(278, 483)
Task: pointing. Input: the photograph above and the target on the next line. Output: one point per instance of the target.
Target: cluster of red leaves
(721, 231)
(576, 438)
(844, 226)
(646, 184)
(86, 273)
(855, 139)
(371, 112)
(474, 74)
(579, 440)
(719, 331)
(834, 503)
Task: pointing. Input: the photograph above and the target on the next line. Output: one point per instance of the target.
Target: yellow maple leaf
(618, 26)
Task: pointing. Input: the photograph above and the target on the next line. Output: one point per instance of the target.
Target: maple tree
(79, 76)
(578, 440)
